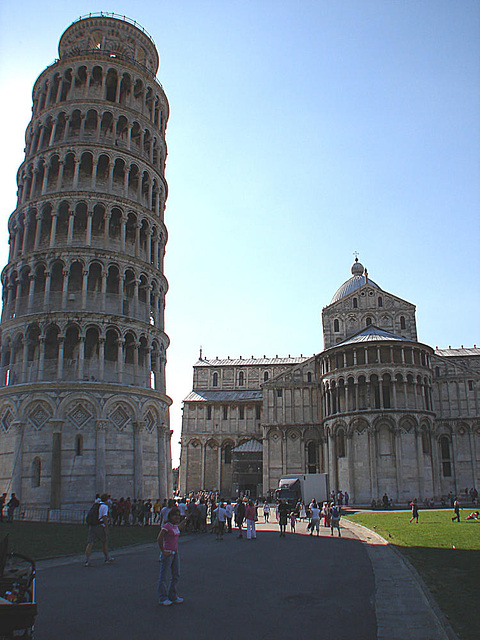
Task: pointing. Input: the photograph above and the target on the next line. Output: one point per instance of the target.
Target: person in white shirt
(229, 511)
(220, 517)
(315, 518)
(183, 509)
(266, 511)
(98, 530)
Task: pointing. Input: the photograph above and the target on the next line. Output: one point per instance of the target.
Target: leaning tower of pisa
(83, 407)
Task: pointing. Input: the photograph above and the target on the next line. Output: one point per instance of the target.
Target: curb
(361, 531)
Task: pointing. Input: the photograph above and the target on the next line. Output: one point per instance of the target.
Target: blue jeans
(168, 564)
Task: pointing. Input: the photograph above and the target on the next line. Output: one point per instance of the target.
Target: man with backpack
(97, 520)
(335, 518)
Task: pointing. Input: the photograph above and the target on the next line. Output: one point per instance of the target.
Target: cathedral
(377, 410)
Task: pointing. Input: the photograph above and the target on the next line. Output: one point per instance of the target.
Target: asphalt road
(270, 588)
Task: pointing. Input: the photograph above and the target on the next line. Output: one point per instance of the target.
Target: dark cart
(18, 607)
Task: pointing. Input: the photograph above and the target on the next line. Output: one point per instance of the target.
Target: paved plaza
(352, 588)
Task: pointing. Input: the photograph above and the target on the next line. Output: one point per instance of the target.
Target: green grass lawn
(41, 540)
(445, 553)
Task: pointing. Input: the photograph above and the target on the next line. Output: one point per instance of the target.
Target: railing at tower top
(117, 16)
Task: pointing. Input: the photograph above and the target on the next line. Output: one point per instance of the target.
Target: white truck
(304, 487)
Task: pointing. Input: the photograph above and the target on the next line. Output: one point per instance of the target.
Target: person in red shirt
(169, 560)
(251, 518)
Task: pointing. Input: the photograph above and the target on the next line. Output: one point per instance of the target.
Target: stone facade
(83, 407)
(376, 410)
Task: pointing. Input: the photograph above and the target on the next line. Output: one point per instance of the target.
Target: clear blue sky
(300, 132)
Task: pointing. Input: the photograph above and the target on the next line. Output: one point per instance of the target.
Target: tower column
(138, 430)
(100, 456)
(17, 470)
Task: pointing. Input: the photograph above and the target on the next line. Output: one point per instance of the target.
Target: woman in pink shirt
(169, 560)
(251, 517)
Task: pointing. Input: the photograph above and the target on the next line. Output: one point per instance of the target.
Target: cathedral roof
(467, 351)
(235, 362)
(371, 334)
(358, 279)
(222, 396)
(250, 446)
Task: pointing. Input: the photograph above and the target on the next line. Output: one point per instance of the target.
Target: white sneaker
(166, 603)
(177, 600)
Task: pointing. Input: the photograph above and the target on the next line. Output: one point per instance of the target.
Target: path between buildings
(301, 586)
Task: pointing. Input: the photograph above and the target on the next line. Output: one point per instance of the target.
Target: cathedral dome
(358, 279)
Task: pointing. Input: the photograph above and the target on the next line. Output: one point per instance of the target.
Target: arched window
(241, 379)
(355, 303)
(380, 301)
(36, 472)
(79, 445)
(227, 454)
(402, 322)
(312, 457)
(340, 444)
(336, 326)
(215, 380)
(368, 321)
(265, 376)
(309, 376)
(445, 457)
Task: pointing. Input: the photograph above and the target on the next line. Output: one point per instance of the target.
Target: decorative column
(61, 346)
(266, 462)
(84, 288)
(66, 277)
(138, 429)
(101, 358)
(88, 237)
(31, 290)
(53, 229)
(100, 455)
(204, 462)
(56, 465)
(398, 463)
(351, 465)
(420, 465)
(219, 468)
(331, 462)
(46, 293)
(283, 448)
(81, 356)
(24, 359)
(17, 470)
(38, 226)
(71, 221)
(372, 448)
(162, 437)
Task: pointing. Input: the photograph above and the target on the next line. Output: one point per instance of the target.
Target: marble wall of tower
(83, 405)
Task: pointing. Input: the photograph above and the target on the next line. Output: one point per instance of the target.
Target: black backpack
(92, 518)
